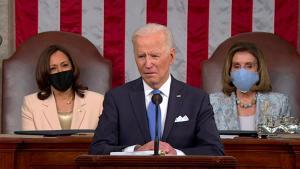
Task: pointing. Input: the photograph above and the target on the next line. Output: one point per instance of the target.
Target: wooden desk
(61, 152)
(264, 153)
(161, 162)
(41, 152)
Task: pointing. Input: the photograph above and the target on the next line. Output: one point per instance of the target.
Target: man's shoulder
(188, 89)
(195, 90)
(127, 87)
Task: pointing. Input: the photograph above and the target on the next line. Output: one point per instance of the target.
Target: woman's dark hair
(264, 83)
(43, 73)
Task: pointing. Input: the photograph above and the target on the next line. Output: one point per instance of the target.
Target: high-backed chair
(282, 59)
(19, 71)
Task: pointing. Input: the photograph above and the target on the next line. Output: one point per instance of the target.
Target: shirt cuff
(179, 153)
(129, 149)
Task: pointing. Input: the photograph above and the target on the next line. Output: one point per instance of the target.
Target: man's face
(153, 58)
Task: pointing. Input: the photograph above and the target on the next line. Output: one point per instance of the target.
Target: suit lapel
(137, 98)
(174, 106)
(50, 113)
(79, 112)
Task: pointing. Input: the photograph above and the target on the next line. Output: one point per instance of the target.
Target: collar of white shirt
(164, 89)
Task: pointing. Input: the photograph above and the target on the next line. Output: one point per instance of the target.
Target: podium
(153, 162)
(36, 152)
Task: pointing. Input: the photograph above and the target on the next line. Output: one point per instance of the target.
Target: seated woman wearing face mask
(246, 96)
(61, 103)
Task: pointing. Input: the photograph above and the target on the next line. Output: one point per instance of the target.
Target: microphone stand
(156, 139)
(156, 99)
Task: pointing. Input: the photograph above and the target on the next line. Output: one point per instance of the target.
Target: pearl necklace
(246, 105)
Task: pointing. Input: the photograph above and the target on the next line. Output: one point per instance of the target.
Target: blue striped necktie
(151, 117)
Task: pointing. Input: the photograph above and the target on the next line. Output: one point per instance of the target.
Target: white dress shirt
(165, 92)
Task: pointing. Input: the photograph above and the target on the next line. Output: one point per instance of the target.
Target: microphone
(156, 99)
(0, 40)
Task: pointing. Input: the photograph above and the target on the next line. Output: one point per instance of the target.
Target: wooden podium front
(23, 152)
(155, 162)
(37, 152)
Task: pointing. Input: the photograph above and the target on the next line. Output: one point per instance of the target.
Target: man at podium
(186, 124)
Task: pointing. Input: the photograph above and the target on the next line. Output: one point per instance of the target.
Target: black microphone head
(156, 99)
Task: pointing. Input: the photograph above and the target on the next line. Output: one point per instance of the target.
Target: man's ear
(172, 55)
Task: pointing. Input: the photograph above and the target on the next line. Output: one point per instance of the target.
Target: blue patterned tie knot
(151, 117)
(156, 91)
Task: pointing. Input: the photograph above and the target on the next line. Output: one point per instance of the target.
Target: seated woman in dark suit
(246, 98)
(61, 103)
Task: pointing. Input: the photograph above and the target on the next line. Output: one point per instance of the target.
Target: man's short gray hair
(153, 28)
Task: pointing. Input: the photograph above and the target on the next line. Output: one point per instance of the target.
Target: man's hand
(164, 147)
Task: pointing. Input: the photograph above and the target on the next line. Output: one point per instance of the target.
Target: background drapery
(198, 26)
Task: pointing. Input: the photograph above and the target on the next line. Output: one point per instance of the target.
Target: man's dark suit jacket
(124, 121)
